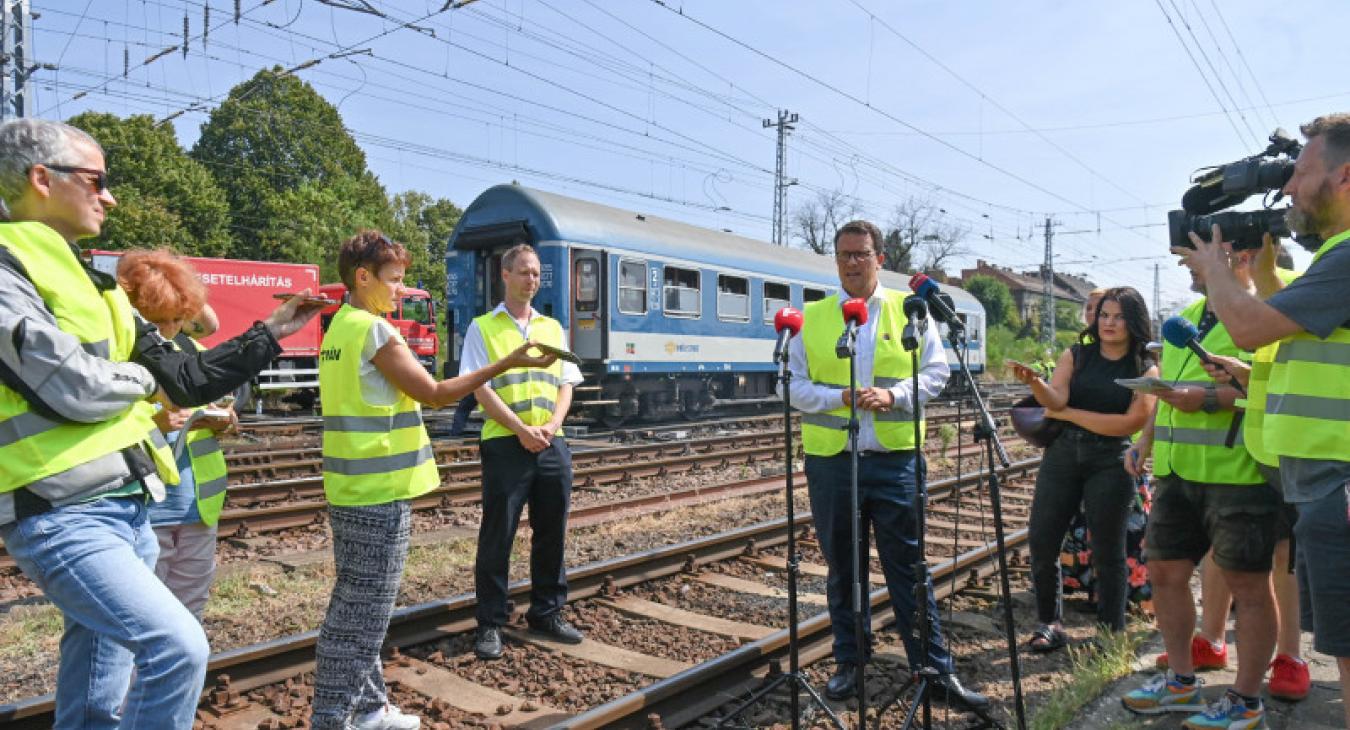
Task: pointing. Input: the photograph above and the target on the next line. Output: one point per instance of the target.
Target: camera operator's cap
(1029, 421)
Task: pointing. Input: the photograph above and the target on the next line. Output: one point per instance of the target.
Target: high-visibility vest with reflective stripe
(372, 454)
(826, 434)
(531, 393)
(1191, 445)
(208, 470)
(1308, 396)
(33, 446)
(1254, 405)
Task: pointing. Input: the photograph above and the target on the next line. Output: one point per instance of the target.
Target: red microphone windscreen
(788, 318)
(855, 311)
(917, 281)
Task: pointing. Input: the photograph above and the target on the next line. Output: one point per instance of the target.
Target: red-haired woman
(376, 459)
(166, 291)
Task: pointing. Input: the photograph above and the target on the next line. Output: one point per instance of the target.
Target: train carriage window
(733, 298)
(812, 295)
(682, 293)
(776, 296)
(587, 273)
(632, 287)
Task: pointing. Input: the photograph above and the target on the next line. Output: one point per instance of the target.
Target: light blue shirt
(810, 397)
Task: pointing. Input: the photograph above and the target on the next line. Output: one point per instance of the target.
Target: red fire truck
(241, 293)
(414, 316)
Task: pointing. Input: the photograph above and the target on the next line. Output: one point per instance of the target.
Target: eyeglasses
(99, 183)
(859, 256)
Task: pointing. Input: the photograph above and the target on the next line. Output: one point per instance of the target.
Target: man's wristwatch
(1211, 402)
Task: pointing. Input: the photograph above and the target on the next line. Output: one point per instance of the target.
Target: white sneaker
(385, 718)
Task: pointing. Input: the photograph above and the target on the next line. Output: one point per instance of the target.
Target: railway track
(261, 685)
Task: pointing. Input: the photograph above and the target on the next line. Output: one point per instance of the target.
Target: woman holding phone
(166, 291)
(377, 458)
(1084, 465)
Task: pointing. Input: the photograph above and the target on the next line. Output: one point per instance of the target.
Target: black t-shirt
(1093, 387)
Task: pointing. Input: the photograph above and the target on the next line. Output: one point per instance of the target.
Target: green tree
(309, 223)
(275, 142)
(1068, 316)
(165, 198)
(995, 296)
(424, 224)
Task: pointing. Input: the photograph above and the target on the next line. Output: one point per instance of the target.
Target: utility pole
(780, 182)
(1157, 300)
(16, 62)
(1048, 284)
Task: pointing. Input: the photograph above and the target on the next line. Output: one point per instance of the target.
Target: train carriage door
(494, 288)
(588, 310)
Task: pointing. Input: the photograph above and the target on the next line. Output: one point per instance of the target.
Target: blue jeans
(95, 561)
(886, 484)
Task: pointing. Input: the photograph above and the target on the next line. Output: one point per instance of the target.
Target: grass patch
(1093, 670)
(29, 633)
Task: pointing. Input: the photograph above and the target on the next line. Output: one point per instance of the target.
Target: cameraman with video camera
(1307, 416)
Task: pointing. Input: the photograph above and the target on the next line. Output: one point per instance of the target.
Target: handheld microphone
(855, 316)
(788, 323)
(939, 305)
(1180, 333)
(916, 314)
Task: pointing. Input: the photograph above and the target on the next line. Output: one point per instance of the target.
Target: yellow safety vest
(826, 434)
(371, 454)
(1191, 445)
(208, 470)
(1308, 396)
(531, 393)
(33, 446)
(1253, 424)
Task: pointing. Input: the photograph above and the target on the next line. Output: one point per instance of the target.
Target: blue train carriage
(668, 318)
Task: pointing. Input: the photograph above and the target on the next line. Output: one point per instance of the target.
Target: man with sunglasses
(80, 457)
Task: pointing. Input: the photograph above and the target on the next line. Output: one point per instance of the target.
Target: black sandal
(1047, 639)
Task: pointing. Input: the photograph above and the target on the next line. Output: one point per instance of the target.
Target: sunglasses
(99, 183)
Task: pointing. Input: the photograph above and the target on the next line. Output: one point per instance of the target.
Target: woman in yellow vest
(1084, 465)
(166, 291)
(376, 459)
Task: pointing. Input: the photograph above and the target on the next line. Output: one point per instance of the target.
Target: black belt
(1081, 434)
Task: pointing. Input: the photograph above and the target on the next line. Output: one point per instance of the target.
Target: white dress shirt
(810, 397)
(474, 354)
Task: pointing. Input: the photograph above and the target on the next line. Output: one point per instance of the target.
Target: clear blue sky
(998, 112)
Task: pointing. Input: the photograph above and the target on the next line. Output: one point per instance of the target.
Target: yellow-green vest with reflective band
(1191, 445)
(208, 470)
(1308, 396)
(371, 454)
(32, 446)
(531, 393)
(1254, 405)
(826, 434)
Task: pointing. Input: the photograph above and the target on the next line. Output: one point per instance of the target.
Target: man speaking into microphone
(889, 460)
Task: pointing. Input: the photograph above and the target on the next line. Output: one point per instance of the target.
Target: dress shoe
(844, 683)
(556, 627)
(948, 689)
(488, 645)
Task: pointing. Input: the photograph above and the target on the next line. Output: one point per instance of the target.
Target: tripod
(922, 678)
(987, 434)
(794, 678)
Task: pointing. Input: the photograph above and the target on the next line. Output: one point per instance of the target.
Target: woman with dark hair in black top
(1085, 465)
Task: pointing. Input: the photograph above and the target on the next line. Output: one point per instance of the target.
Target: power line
(1200, 71)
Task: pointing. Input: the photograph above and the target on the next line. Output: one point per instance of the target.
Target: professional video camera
(1224, 186)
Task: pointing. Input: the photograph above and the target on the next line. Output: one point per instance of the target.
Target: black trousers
(1081, 468)
(513, 478)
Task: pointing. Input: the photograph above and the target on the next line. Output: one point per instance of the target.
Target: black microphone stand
(987, 434)
(848, 347)
(794, 678)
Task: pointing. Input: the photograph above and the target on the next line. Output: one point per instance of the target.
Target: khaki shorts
(1238, 521)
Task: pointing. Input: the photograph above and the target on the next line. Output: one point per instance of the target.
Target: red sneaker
(1203, 656)
(1289, 678)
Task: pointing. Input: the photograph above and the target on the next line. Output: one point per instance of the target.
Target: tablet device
(562, 354)
(286, 296)
(1152, 386)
